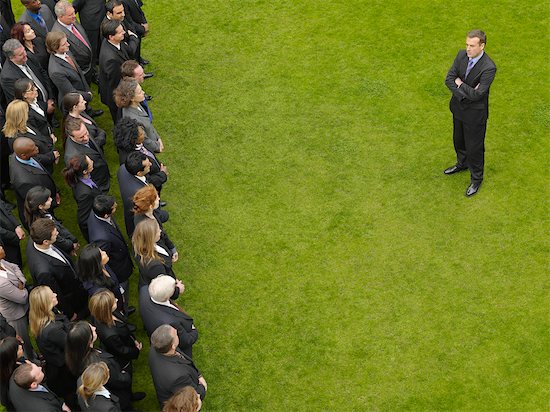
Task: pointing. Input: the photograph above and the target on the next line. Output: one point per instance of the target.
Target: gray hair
(61, 8)
(162, 287)
(10, 46)
(162, 338)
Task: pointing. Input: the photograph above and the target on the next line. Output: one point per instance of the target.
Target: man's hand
(65, 408)
(163, 168)
(56, 155)
(180, 286)
(203, 382)
(138, 345)
(161, 146)
(54, 138)
(458, 82)
(20, 233)
(145, 26)
(58, 198)
(51, 106)
(175, 257)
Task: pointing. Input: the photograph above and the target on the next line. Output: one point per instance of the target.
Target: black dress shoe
(95, 113)
(147, 75)
(162, 203)
(138, 396)
(472, 189)
(144, 62)
(454, 169)
(130, 310)
(148, 97)
(131, 328)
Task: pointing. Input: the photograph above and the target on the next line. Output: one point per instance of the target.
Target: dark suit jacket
(100, 175)
(38, 122)
(469, 104)
(81, 52)
(128, 185)
(90, 12)
(152, 137)
(171, 373)
(39, 55)
(95, 131)
(45, 147)
(60, 277)
(84, 197)
(7, 12)
(11, 73)
(156, 177)
(67, 79)
(110, 60)
(9, 239)
(48, 17)
(154, 315)
(118, 340)
(132, 10)
(25, 400)
(100, 403)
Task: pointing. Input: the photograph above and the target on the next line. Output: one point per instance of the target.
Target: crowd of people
(77, 308)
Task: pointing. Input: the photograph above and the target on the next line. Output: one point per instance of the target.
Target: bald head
(24, 148)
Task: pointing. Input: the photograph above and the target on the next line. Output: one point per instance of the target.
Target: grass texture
(328, 262)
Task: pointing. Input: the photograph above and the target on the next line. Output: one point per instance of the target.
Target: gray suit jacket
(81, 52)
(67, 79)
(13, 301)
(152, 137)
(48, 17)
(100, 175)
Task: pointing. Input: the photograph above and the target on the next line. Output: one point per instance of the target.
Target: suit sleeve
(157, 179)
(186, 338)
(473, 94)
(118, 348)
(452, 74)
(64, 85)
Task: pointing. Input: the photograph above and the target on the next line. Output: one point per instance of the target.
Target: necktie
(146, 106)
(71, 62)
(79, 36)
(470, 65)
(38, 83)
(41, 20)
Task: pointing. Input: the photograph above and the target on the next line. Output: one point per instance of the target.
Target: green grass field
(328, 262)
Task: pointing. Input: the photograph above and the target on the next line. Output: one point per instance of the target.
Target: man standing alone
(469, 80)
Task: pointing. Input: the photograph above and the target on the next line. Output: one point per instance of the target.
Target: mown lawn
(329, 264)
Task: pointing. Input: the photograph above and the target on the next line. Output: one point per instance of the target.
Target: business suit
(61, 277)
(91, 14)
(9, 238)
(11, 73)
(4, 34)
(65, 239)
(470, 108)
(96, 132)
(152, 137)
(82, 53)
(33, 401)
(100, 175)
(38, 55)
(154, 315)
(84, 196)
(120, 380)
(171, 373)
(7, 12)
(45, 145)
(67, 78)
(133, 11)
(100, 403)
(24, 177)
(155, 176)
(48, 17)
(128, 185)
(118, 340)
(39, 122)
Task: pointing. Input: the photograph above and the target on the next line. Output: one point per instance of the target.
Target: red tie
(79, 36)
(71, 62)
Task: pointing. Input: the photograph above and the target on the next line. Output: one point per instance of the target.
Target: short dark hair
(23, 376)
(126, 133)
(21, 86)
(134, 162)
(111, 4)
(103, 205)
(108, 28)
(76, 166)
(480, 34)
(42, 230)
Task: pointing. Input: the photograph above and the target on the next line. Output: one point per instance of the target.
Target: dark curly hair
(125, 134)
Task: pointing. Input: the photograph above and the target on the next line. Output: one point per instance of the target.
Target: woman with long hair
(17, 116)
(24, 89)
(95, 274)
(33, 44)
(37, 205)
(74, 105)
(92, 393)
(151, 262)
(128, 96)
(77, 174)
(80, 353)
(10, 351)
(49, 326)
(112, 328)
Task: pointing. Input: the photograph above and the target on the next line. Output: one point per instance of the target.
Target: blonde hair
(17, 115)
(40, 309)
(101, 307)
(93, 378)
(144, 198)
(143, 241)
(185, 399)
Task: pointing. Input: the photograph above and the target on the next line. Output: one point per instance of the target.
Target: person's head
(93, 379)
(17, 115)
(37, 202)
(104, 206)
(115, 10)
(146, 199)
(131, 69)
(43, 232)
(113, 31)
(41, 302)
(10, 351)
(475, 43)
(137, 164)
(75, 129)
(24, 148)
(28, 376)
(162, 288)
(185, 399)
(78, 345)
(128, 93)
(32, 5)
(65, 12)
(22, 32)
(91, 262)
(165, 339)
(127, 133)
(56, 42)
(79, 166)
(24, 89)
(14, 51)
(102, 304)
(146, 234)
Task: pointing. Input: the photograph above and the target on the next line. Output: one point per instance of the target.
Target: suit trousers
(469, 143)
(22, 329)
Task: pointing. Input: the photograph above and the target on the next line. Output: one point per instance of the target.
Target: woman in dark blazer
(25, 89)
(34, 46)
(74, 105)
(112, 328)
(77, 174)
(92, 393)
(50, 327)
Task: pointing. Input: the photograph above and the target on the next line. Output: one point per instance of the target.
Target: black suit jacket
(90, 12)
(100, 403)
(61, 277)
(7, 13)
(9, 239)
(45, 147)
(132, 10)
(110, 239)
(171, 373)
(84, 196)
(110, 60)
(81, 52)
(100, 175)
(96, 132)
(38, 122)
(154, 315)
(25, 400)
(11, 73)
(118, 340)
(128, 185)
(156, 177)
(468, 103)
(67, 79)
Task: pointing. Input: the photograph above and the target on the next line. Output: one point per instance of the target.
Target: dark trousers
(469, 142)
